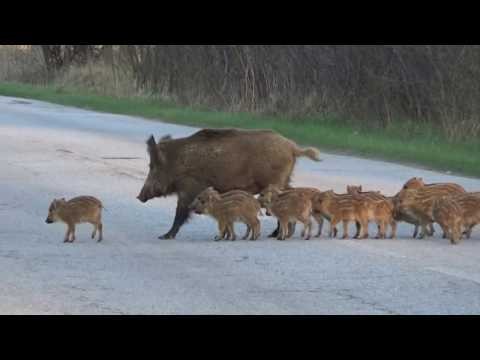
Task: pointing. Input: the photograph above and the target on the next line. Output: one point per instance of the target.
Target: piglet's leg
(67, 235)
(72, 234)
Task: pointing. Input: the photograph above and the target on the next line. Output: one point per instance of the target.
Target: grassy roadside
(421, 146)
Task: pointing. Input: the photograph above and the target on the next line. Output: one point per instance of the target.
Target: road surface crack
(347, 294)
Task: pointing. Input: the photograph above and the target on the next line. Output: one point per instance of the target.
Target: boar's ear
(156, 155)
(151, 142)
(152, 149)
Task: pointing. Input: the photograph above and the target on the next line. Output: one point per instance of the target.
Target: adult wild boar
(226, 159)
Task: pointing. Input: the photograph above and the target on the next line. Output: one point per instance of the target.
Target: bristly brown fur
(233, 207)
(289, 207)
(449, 215)
(418, 203)
(81, 209)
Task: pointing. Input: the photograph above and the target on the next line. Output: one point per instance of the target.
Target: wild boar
(227, 211)
(417, 183)
(469, 203)
(344, 208)
(382, 210)
(449, 215)
(82, 209)
(226, 160)
(399, 216)
(303, 191)
(289, 208)
(234, 194)
(418, 204)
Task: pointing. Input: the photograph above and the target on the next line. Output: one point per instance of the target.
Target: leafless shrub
(374, 85)
(23, 63)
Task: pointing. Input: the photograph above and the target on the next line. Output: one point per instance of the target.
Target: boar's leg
(100, 231)
(291, 229)
(222, 231)
(393, 225)
(345, 229)
(247, 234)
(307, 228)
(319, 221)
(468, 233)
(274, 234)
(94, 233)
(255, 229)
(231, 230)
(282, 233)
(333, 230)
(67, 235)
(415, 233)
(72, 233)
(181, 216)
(357, 234)
(424, 232)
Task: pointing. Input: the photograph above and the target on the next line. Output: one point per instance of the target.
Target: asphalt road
(50, 151)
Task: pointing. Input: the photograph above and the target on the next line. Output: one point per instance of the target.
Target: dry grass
(22, 63)
(98, 79)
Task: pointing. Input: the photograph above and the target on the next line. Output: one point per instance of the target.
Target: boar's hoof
(167, 237)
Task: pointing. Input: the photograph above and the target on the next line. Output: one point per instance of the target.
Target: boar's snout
(48, 221)
(144, 196)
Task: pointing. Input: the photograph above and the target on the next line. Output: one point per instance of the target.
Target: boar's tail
(310, 152)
